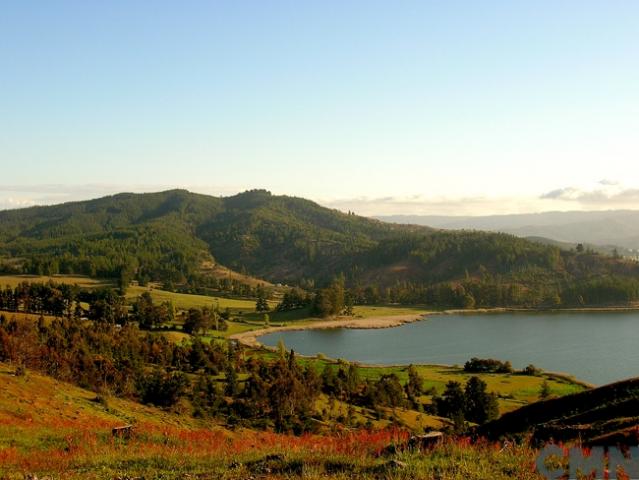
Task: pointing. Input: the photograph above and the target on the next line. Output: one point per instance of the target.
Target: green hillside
(171, 236)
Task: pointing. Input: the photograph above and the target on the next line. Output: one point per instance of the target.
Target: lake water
(596, 347)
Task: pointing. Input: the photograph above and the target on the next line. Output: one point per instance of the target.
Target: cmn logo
(597, 463)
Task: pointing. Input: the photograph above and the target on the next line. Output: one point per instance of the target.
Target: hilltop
(178, 237)
(173, 234)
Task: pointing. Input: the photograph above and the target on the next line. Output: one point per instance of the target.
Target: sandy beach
(250, 338)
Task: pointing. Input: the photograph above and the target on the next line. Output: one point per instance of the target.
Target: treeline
(106, 305)
(205, 285)
(336, 299)
(64, 300)
(477, 293)
(40, 298)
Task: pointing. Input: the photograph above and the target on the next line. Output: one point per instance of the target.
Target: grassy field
(218, 271)
(52, 429)
(180, 300)
(514, 390)
(80, 280)
(184, 301)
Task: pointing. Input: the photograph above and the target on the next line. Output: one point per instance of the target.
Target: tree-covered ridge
(146, 235)
(282, 238)
(167, 237)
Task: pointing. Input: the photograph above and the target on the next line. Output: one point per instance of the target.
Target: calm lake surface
(596, 347)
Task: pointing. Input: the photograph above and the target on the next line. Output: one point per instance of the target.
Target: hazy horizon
(42, 195)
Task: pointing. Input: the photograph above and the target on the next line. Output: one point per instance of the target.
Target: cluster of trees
(40, 298)
(333, 300)
(201, 320)
(203, 284)
(490, 365)
(64, 300)
(294, 299)
(388, 391)
(487, 365)
(150, 315)
(473, 403)
(282, 393)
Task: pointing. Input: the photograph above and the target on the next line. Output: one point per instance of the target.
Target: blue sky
(383, 107)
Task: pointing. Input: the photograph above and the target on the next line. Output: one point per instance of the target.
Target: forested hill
(167, 236)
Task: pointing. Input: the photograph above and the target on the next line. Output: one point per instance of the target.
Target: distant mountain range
(613, 228)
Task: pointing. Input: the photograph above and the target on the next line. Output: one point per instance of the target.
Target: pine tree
(544, 391)
(481, 406)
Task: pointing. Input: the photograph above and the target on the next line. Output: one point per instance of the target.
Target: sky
(431, 107)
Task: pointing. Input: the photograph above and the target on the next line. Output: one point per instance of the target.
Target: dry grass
(26, 316)
(184, 301)
(80, 280)
(218, 271)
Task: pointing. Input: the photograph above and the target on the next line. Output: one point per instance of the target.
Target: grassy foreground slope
(49, 428)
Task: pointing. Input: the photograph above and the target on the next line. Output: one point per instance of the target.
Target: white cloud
(567, 193)
(422, 205)
(608, 194)
(11, 202)
(608, 182)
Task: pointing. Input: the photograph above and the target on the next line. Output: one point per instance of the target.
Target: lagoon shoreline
(250, 338)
